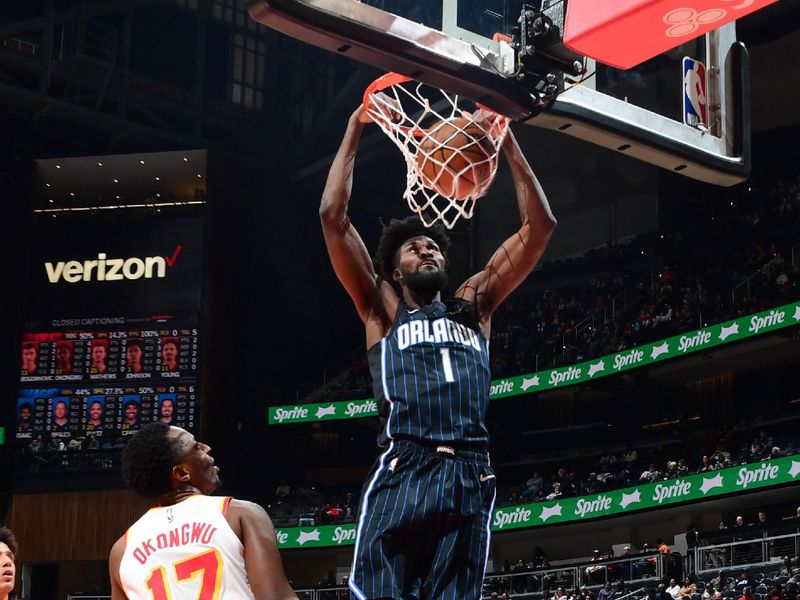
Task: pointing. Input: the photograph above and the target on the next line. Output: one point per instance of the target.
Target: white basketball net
(414, 116)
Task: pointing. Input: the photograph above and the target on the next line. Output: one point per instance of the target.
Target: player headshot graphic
(425, 353)
(131, 414)
(60, 413)
(64, 358)
(30, 352)
(176, 473)
(24, 414)
(169, 354)
(95, 413)
(133, 356)
(99, 356)
(166, 409)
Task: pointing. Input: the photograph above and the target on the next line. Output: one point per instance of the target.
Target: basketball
(456, 158)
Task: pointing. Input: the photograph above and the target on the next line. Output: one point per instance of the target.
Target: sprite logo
(763, 473)
(298, 412)
(358, 408)
(674, 490)
(515, 517)
(585, 507)
(344, 534)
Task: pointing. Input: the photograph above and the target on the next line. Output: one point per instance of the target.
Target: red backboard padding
(624, 33)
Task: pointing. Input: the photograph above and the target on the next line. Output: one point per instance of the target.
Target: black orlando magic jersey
(431, 374)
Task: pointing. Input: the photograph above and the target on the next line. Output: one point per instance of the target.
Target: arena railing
(749, 550)
(635, 571)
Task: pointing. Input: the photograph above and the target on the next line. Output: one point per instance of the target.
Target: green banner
(610, 364)
(2, 435)
(701, 486)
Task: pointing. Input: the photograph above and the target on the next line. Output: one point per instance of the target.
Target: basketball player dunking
(191, 545)
(423, 523)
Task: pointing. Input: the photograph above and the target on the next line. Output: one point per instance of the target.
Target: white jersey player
(191, 546)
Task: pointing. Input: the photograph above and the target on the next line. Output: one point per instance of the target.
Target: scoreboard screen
(107, 383)
(106, 412)
(103, 354)
(91, 356)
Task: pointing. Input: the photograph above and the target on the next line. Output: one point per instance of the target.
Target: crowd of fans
(310, 504)
(721, 449)
(605, 576)
(730, 263)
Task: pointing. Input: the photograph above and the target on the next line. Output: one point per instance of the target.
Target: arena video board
(111, 339)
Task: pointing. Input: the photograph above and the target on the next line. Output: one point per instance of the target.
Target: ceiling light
(141, 162)
(157, 179)
(99, 164)
(116, 181)
(185, 159)
(58, 166)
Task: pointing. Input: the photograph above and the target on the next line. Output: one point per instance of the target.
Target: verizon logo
(111, 269)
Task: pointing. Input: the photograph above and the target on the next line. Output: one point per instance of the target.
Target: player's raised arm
(349, 256)
(261, 557)
(518, 255)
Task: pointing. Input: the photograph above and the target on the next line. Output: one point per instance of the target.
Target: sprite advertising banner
(610, 364)
(702, 486)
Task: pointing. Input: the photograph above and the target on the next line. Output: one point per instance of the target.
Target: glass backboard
(686, 110)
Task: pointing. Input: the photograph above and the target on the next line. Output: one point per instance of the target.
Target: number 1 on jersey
(447, 365)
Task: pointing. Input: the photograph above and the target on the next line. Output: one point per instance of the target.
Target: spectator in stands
(532, 487)
(673, 589)
(619, 590)
(708, 593)
(605, 592)
(739, 521)
(515, 499)
(662, 593)
(663, 548)
(650, 475)
(687, 589)
(747, 593)
(705, 465)
(762, 519)
(560, 594)
(776, 593)
(592, 570)
(746, 579)
(556, 493)
(788, 569)
(566, 483)
(720, 582)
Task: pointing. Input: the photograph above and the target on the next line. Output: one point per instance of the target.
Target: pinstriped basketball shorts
(423, 525)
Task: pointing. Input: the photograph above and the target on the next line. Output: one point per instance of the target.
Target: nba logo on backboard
(695, 101)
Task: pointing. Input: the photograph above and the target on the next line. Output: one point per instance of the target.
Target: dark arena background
(161, 166)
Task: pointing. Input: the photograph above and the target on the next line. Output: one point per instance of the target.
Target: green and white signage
(697, 487)
(610, 364)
